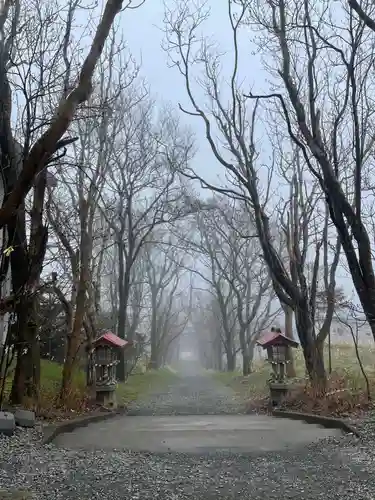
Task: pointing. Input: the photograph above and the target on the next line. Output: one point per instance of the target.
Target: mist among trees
(108, 220)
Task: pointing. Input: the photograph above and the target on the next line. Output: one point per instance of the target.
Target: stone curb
(310, 418)
(52, 431)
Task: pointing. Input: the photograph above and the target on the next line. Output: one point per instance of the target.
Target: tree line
(103, 225)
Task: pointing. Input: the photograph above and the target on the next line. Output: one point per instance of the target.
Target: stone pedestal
(278, 391)
(7, 423)
(25, 418)
(106, 396)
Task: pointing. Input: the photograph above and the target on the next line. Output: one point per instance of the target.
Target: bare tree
(329, 115)
(239, 262)
(144, 191)
(164, 271)
(207, 331)
(50, 140)
(236, 126)
(202, 243)
(74, 207)
(302, 224)
(29, 45)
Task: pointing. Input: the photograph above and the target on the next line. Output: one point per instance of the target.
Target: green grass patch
(140, 384)
(51, 377)
(344, 363)
(252, 386)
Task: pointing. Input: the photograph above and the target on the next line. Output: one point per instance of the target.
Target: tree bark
(26, 380)
(288, 314)
(154, 333)
(76, 334)
(251, 349)
(246, 363)
(218, 356)
(245, 351)
(124, 289)
(154, 362)
(313, 359)
(231, 360)
(26, 266)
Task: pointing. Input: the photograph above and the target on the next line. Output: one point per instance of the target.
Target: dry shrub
(340, 399)
(49, 406)
(258, 405)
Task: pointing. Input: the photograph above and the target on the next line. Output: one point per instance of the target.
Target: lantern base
(106, 387)
(278, 391)
(106, 398)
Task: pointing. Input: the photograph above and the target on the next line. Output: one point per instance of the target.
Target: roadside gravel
(332, 469)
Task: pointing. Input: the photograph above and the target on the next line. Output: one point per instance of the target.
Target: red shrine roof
(112, 339)
(276, 338)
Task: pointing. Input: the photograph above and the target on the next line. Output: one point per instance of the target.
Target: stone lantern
(105, 358)
(277, 346)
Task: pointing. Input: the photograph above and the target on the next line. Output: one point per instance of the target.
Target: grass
(139, 383)
(252, 386)
(51, 376)
(344, 364)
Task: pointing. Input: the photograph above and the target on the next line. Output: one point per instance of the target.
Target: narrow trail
(194, 392)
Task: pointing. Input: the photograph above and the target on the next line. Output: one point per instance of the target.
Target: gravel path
(331, 469)
(190, 394)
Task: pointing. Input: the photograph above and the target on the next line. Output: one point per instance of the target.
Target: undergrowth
(346, 391)
(78, 400)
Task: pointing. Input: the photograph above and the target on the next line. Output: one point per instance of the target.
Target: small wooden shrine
(106, 350)
(277, 346)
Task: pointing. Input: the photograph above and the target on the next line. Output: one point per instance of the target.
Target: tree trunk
(246, 360)
(314, 361)
(26, 381)
(74, 341)
(320, 348)
(26, 268)
(124, 288)
(290, 368)
(250, 351)
(154, 334)
(215, 351)
(75, 336)
(218, 358)
(246, 363)
(367, 298)
(154, 362)
(231, 360)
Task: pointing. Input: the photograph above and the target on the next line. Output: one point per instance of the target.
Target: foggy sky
(143, 28)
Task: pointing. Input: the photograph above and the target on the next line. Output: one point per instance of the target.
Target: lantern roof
(113, 340)
(276, 337)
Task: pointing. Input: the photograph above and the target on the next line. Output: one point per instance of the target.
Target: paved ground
(333, 468)
(195, 434)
